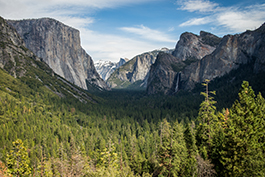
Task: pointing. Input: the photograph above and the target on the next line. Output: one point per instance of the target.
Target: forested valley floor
(218, 129)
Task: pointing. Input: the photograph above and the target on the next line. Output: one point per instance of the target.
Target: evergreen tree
(179, 150)
(208, 123)
(243, 153)
(165, 153)
(191, 164)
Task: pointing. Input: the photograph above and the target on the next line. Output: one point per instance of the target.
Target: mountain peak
(106, 68)
(59, 46)
(193, 47)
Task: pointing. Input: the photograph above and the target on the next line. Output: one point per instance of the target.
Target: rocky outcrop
(106, 68)
(231, 52)
(194, 47)
(134, 71)
(164, 74)
(13, 52)
(59, 46)
(31, 71)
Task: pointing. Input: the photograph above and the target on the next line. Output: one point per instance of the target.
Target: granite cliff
(29, 71)
(134, 72)
(227, 54)
(194, 47)
(59, 46)
(164, 74)
(233, 51)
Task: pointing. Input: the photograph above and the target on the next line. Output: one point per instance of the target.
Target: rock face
(134, 72)
(59, 46)
(28, 69)
(164, 76)
(13, 51)
(193, 47)
(230, 53)
(106, 68)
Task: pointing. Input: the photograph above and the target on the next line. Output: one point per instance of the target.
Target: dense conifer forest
(218, 129)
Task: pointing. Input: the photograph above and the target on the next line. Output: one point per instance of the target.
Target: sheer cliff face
(231, 52)
(59, 46)
(135, 70)
(164, 75)
(194, 47)
(28, 69)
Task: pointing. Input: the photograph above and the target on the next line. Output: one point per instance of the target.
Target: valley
(191, 111)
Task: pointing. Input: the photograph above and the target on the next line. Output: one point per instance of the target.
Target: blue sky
(112, 29)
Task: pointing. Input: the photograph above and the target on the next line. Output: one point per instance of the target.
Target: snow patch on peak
(106, 68)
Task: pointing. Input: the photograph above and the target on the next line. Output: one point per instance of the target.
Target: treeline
(52, 138)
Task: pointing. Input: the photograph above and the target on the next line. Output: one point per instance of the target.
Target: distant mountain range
(106, 68)
(218, 57)
(134, 73)
(194, 59)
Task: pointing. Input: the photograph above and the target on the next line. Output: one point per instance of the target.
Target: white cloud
(75, 21)
(196, 21)
(112, 47)
(18, 9)
(75, 13)
(197, 5)
(234, 19)
(33, 8)
(238, 20)
(171, 29)
(149, 34)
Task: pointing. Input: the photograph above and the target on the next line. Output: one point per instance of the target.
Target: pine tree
(179, 150)
(208, 122)
(165, 153)
(191, 164)
(243, 153)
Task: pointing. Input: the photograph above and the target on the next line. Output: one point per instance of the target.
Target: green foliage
(108, 156)
(189, 136)
(243, 153)
(65, 138)
(208, 123)
(17, 160)
(67, 130)
(172, 153)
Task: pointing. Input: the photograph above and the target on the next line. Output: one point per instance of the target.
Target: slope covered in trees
(49, 127)
(131, 135)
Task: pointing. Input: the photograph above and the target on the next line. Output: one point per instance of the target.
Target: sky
(114, 29)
